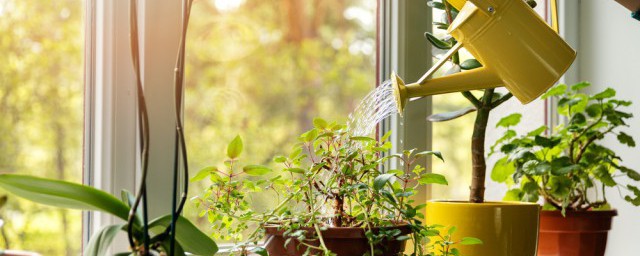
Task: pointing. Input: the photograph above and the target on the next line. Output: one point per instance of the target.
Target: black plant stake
(180, 145)
(143, 120)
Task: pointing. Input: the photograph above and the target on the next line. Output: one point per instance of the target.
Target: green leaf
(579, 86)
(513, 195)
(235, 148)
(256, 170)
(635, 200)
(279, 159)
(319, 123)
(470, 64)
(602, 173)
(559, 186)
(452, 230)
(502, 170)
(63, 194)
(260, 251)
(190, 238)
(128, 198)
(381, 180)
(557, 90)
(530, 192)
(607, 93)
(509, 120)
(310, 135)
(546, 142)
(438, 154)
(632, 174)
(565, 170)
(433, 178)
(177, 249)
(203, 173)
(437, 42)
(470, 241)
(537, 131)
(100, 241)
(626, 139)
(450, 115)
(594, 110)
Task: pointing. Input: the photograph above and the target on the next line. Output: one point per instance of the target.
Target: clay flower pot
(348, 241)
(577, 234)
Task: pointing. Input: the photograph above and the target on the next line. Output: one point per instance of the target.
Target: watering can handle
(554, 16)
(441, 62)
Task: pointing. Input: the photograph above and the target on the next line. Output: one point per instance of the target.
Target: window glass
(453, 137)
(265, 69)
(41, 106)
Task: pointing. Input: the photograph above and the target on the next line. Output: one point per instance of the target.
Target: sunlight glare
(227, 5)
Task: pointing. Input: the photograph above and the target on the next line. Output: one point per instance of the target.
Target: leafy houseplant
(333, 199)
(483, 105)
(569, 169)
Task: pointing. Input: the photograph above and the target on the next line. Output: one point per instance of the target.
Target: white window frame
(403, 49)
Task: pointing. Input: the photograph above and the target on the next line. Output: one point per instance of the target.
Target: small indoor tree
(482, 104)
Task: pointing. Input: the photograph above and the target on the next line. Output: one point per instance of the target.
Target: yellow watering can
(516, 47)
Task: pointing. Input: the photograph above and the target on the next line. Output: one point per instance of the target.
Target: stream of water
(375, 107)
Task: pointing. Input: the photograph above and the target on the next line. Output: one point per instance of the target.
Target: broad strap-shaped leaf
(101, 240)
(437, 42)
(450, 115)
(190, 238)
(63, 194)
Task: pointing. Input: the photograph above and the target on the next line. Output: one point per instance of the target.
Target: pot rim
(341, 232)
(483, 204)
(590, 213)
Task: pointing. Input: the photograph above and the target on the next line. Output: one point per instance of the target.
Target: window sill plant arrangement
(171, 234)
(570, 170)
(507, 228)
(333, 200)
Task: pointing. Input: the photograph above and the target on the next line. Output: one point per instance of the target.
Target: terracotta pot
(579, 234)
(342, 241)
(505, 228)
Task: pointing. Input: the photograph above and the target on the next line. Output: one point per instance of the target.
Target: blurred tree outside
(41, 107)
(265, 69)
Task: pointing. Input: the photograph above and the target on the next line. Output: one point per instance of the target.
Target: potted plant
(333, 199)
(505, 228)
(569, 169)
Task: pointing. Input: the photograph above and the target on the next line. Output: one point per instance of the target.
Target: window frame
(110, 138)
(401, 27)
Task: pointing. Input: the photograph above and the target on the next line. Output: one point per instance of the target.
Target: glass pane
(453, 137)
(265, 69)
(41, 101)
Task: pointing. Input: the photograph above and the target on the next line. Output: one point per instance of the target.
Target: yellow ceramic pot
(505, 228)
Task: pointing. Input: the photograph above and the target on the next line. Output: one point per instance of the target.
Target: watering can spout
(476, 79)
